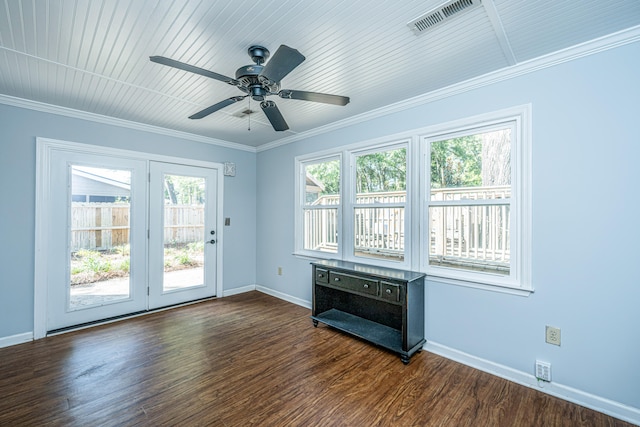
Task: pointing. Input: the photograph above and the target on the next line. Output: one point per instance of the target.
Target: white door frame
(44, 148)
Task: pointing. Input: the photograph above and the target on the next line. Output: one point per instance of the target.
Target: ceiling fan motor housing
(250, 83)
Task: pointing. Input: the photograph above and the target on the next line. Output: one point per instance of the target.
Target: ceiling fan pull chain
(249, 115)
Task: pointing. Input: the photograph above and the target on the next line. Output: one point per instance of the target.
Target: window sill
(505, 289)
(314, 257)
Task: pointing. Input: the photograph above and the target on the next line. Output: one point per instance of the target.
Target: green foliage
(376, 172)
(382, 171)
(456, 162)
(328, 174)
(88, 266)
(184, 190)
(125, 265)
(123, 250)
(183, 258)
(92, 261)
(196, 246)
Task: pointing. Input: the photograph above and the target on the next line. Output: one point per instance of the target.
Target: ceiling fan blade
(215, 107)
(193, 69)
(281, 63)
(273, 114)
(314, 97)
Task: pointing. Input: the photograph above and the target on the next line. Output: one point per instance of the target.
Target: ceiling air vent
(243, 113)
(442, 14)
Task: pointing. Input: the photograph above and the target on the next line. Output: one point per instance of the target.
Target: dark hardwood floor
(252, 359)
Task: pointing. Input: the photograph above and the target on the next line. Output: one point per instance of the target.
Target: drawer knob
(388, 291)
(337, 279)
(320, 275)
(366, 286)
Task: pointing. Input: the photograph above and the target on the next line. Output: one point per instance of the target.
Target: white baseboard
(582, 398)
(268, 291)
(240, 290)
(286, 297)
(16, 339)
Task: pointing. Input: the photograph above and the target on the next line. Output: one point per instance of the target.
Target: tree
(456, 162)
(184, 190)
(382, 171)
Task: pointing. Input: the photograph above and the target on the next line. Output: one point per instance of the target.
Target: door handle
(212, 241)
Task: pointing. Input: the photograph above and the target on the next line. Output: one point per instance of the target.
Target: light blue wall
(586, 226)
(18, 131)
(586, 207)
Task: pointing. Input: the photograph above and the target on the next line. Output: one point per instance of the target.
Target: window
(471, 195)
(320, 201)
(379, 205)
(475, 205)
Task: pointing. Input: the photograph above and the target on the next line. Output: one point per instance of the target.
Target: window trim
(300, 164)
(519, 280)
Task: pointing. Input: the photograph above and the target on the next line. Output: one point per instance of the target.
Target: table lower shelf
(376, 333)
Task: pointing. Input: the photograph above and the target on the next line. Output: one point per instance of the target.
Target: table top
(372, 270)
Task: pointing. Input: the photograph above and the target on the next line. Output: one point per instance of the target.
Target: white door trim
(44, 148)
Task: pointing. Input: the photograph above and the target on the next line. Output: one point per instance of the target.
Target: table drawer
(354, 283)
(322, 276)
(390, 291)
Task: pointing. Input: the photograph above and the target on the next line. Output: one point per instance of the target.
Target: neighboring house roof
(313, 185)
(87, 183)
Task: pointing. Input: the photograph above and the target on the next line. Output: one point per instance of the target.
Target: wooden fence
(103, 226)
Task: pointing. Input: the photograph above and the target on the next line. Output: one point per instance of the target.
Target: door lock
(213, 232)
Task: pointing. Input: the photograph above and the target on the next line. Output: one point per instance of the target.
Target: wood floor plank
(252, 359)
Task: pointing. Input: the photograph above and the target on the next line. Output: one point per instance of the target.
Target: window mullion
(467, 202)
(348, 197)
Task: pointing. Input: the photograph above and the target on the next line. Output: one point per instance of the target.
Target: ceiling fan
(259, 81)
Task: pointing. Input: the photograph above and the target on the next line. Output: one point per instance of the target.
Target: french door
(97, 238)
(125, 235)
(183, 240)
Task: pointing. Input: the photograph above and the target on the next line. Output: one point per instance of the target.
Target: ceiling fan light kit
(259, 81)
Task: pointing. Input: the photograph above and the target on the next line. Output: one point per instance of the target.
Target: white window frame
(350, 205)
(416, 206)
(300, 186)
(519, 279)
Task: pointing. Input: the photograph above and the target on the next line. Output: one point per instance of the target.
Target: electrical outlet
(543, 371)
(552, 335)
(279, 271)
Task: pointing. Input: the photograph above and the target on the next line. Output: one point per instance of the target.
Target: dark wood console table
(381, 305)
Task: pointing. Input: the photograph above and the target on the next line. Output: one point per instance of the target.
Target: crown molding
(611, 41)
(84, 115)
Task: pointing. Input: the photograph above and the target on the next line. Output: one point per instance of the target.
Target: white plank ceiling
(93, 55)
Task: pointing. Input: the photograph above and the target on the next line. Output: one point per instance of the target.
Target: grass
(89, 266)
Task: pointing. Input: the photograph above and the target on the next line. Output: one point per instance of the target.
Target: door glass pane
(184, 212)
(99, 240)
